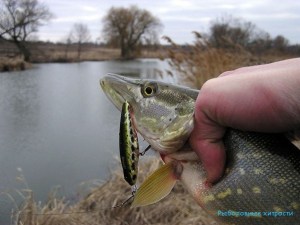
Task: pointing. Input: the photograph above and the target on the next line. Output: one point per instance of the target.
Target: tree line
(228, 32)
(129, 29)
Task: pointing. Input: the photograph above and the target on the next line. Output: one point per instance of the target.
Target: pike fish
(261, 184)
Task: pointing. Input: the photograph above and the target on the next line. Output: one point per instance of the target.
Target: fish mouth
(118, 89)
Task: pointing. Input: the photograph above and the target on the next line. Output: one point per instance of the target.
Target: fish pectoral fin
(157, 186)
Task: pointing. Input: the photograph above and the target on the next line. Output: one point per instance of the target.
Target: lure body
(128, 145)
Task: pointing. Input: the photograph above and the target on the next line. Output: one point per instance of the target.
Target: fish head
(162, 113)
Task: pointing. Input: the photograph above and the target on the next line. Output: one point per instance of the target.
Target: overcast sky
(179, 17)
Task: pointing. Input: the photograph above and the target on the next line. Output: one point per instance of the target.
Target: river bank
(18, 64)
(47, 52)
(96, 206)
(43, 52)
(13, 64)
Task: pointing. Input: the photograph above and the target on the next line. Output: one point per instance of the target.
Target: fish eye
(149, 89)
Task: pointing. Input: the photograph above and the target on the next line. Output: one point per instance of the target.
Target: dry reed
(195, 64)
(64, 53)
(13, 64)
(96, 208)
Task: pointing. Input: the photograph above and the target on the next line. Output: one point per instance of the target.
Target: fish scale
(262, 173)
(275, 163)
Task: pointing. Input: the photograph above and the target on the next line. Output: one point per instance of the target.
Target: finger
(212, 155)
(207, 135)
(206, 141)
(226, 73)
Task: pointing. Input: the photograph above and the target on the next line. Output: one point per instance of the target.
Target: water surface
(57, 127)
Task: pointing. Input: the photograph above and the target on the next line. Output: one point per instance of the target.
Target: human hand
(264, 98)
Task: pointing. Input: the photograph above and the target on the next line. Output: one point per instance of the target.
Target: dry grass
(195, 64)
(64, 53)
(13, 64)
(60, 53)
(96, 207)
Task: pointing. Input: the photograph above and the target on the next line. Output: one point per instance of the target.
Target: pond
(57, 127)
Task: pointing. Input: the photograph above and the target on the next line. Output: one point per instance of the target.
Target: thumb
(206, 140)
(210, 149)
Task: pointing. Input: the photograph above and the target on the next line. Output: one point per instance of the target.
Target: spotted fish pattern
(262, 176)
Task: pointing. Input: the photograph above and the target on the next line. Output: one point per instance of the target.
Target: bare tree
(80, 34)
(21, 18)
(261, 43)
(67, 41)
(229, 31)
(280, 43)
(124, 27)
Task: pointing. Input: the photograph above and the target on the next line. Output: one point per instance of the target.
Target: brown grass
(195, 64)
(43, 52)
(63, 53)
(13, 64)
(96, 207)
